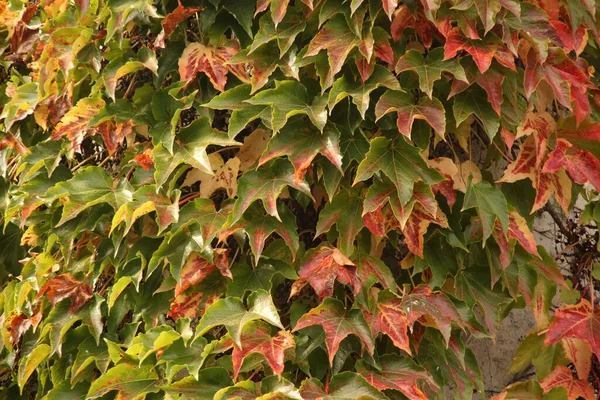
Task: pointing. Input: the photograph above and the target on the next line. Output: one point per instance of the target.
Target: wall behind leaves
(315, 199)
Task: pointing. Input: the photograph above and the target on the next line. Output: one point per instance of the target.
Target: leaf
(429, 110)
(146, 200)
(482, 51)
(581, 164)
(474, 103)
(344, 210)
(74, 124)
(258, 227)
(338, 39)
(208, 383)
(131, 381)
(266, 185)
(431, 309)
(30, 363)
(580, 354)
(360, 92)
(344, 386)
(64, 391)
(247, 278)
(429, 69)
(290, 98)
(519, 230)
(242, 11)
(490, 204)
(578, 321)
(400, 162)
(242, 113)
(195, 300)
(563, 377)
(88, 187)
(191, 149)
(212, 61)
(63, 286)
(232, 313)
(256, 338)
(169, 24)
(23, 102)
(398, 373)
(196, 269)
(284, 32)
(474, 288)
(389, 317)
(337, 323)
(301, 145)
(323, 267)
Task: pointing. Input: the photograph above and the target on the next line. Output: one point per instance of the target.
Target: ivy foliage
(230, 199)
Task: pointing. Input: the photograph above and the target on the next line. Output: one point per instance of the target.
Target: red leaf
(482, 51)
(433, 309)
(558, 70)
(426, 109)
(196, 269)
(338, 39)
(338, 323)
(213, 62)
(326, 265)
(10, 140)
(145, 160)
(389, 317)
(581, 164)
(74, 123)
(416, 227)
(580, 354)
(62, 286)
(389, 6)
(397, 373)
(171, 21)
(113, 133)
(518, 229)
(256, 338)
(562, 376)
(447, 168)
(579, 321)
(403, 18)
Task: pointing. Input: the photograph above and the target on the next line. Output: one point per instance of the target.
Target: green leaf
(247, 278)
(242, 113)
(430, 110)
(430, 69)
(400, 162)
(344, 211)
(475, 102)
(232, 313)
(208, 383)
(31, 362)
(265, 184)
(285, 32)
(88, 187)
(337, 323)
(344, 386)
(490, 204)
(191, 149)
(131, 381)
(361, 91)
(301, 144)
(64, 391)
(290, 98)
(259, 227)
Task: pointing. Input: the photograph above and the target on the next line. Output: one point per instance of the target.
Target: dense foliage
(307, 199)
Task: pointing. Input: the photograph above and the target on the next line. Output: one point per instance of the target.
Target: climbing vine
(315, 199)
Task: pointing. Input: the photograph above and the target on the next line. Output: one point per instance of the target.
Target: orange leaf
(562, 377)
(63, 286)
